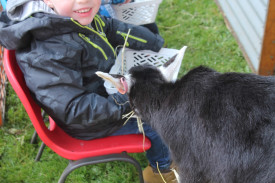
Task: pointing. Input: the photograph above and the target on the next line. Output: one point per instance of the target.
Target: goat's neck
(145, 101)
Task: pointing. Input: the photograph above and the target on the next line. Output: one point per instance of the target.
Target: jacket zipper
(100, 23)
(94, 45)
(99, 34)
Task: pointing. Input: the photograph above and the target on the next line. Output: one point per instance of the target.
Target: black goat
(220, 128)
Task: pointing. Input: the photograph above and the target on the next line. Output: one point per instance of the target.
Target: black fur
(220, 127)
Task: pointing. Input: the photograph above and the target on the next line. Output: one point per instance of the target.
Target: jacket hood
(18, 34)
(22, 9)
(24, 20)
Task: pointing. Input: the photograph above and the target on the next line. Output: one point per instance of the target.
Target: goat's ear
(117, 80)
(171, 68)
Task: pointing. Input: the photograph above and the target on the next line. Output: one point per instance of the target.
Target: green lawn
(195, 23)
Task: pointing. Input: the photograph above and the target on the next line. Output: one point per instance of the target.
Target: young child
(60, 44)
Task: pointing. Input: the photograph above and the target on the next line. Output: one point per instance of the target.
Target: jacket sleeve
(140, 37)
(52, 75)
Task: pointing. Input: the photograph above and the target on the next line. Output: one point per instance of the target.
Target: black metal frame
(88, 161)
(34, 140)
(100, 159)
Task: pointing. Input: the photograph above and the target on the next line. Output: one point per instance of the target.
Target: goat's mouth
(116, 80)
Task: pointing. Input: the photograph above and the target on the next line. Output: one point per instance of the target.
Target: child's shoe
(152, 176)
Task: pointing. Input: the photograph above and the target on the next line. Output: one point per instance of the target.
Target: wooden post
(1, 61)
(267, 62)
(2, 87)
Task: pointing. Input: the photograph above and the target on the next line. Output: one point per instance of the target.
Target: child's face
(81, 10)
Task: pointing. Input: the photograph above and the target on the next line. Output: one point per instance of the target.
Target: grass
(195, 23)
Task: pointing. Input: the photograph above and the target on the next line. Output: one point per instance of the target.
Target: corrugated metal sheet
(247, 20)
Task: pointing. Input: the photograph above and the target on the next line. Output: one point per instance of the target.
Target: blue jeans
(158, 151)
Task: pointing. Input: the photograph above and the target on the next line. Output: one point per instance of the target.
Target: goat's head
(147, 73)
